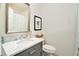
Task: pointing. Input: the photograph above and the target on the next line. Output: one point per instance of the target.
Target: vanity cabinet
(35, 50)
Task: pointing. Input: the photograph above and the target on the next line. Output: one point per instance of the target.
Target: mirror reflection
(17, 17)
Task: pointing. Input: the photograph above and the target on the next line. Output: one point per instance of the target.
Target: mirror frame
(6, 22)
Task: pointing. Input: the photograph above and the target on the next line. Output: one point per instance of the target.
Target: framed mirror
(17, 17)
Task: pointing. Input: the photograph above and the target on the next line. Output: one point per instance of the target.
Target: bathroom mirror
(17, 17)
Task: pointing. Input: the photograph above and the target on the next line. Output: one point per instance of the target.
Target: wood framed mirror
(17, 17)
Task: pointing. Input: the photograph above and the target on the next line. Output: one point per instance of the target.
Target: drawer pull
(33, 51)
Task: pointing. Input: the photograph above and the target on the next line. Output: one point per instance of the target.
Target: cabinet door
(36, 50)
(23, 53)
(35, 53)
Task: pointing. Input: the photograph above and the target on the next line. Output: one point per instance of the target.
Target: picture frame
(37, 23)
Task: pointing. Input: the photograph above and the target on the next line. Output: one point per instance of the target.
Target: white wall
(77, 41)
(78, 26)
(59, 25)
(2, 19)
(36, 9)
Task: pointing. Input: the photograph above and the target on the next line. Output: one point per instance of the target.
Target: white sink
(22, 41)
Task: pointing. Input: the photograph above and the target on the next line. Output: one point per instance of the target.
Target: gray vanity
(35, 50)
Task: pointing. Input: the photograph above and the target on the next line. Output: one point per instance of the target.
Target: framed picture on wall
(37, 23)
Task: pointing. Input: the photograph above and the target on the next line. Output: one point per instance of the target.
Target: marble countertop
(15, 47)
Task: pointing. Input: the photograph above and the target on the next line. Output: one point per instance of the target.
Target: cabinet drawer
(32, 51)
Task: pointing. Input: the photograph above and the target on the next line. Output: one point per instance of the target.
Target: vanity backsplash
(10, 37)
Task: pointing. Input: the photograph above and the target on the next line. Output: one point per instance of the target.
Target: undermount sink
(24, 40)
